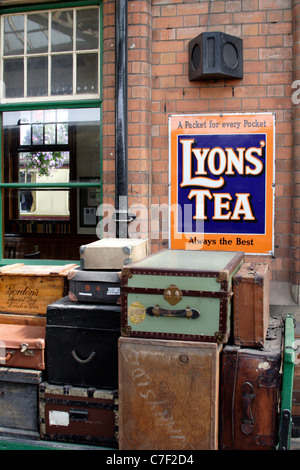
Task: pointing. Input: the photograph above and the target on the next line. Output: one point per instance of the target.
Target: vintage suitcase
(82, 344)
(288, 367)
(22, 346)
(250, 394)
(19, 402)
(27, 290)
(95, 286)
(78, 415)
(112, 253)
(251, 304)
(168, 394)
(178, 294)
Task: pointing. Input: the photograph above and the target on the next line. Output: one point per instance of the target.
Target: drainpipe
(121, 143)
(295, 235)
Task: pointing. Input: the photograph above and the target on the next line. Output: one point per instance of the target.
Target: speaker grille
(230, 55)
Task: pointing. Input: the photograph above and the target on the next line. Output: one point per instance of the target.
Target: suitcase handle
(157, 311)
(82, 361)
(247, 416)
(9, 354)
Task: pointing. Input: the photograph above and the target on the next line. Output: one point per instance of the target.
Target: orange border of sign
(260, 123)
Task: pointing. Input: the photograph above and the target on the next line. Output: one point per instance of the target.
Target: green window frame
(50, 104)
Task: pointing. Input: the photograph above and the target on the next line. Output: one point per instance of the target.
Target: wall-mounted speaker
(215, 55)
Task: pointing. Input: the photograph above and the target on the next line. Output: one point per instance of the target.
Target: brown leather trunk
(249, 395)
(251, 305)
(168, 394)
(22, 346)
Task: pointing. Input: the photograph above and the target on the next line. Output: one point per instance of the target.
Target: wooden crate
(28, 290)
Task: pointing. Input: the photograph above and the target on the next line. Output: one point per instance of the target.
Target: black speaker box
(215, 55)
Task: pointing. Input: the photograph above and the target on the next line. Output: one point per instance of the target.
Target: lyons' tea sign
(221, 182)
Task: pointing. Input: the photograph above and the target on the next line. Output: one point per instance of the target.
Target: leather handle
(83, 361)
(188, 312)
(9, 354)
(247, 416)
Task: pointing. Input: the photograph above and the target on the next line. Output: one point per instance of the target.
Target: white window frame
(49, 54)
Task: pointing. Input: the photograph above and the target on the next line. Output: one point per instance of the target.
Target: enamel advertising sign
(221, 182)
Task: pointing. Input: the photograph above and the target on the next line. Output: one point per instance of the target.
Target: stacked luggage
(176, 317)
(199, 353)
(79, 401)
(25, 292)
(173, 351)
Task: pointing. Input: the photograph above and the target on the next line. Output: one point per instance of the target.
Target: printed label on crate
(222, 182)
(21, 296)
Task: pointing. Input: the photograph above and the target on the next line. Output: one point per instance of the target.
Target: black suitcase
(82, 344)
(102, 287)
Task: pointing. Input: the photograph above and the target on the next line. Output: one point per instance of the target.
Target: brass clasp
(172, 294)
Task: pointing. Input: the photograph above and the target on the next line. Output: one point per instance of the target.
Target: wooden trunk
(250, 394)
(78, 415)
(168, 394)
(82, 344)
(251, 305)
(19, 402)
(178, 294)
(112, 253)
(22, 346)
(28, 290)
(95, 286)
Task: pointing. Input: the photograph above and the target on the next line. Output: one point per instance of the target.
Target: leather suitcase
(250, 394)
(19, 402)
(82, 344)
(27, 290)
(22, 346)
(178, 294)
(168, 394)
(78, 415)
(112, 253)
(251, 305)
(95, 286)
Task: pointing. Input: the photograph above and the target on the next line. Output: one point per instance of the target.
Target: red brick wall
(158, 85)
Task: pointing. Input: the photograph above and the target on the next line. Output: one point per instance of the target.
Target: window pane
(14, 35)
(37, 76)
(44, 204)
(62, 31)
(37, 134)
(42, 165)
(13, 78)
(62, 75)
(62, 134)
(37, 33)
(87, 73)
(87, 29)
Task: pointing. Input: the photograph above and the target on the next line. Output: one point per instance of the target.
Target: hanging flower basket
(43, 163)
